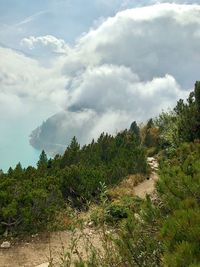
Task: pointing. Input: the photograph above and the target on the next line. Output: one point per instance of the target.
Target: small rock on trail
(6, 245)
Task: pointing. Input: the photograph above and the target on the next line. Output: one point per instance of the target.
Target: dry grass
(126, 187)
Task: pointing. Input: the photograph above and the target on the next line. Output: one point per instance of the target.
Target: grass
(126, 187)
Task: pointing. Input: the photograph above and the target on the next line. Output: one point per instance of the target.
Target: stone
(6, 244)
(90, 224)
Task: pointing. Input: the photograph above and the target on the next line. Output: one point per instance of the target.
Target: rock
(35, 235)
(90, 224)
(6, 244)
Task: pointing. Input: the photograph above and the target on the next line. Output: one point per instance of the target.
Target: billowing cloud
(26, 83)
(117, 100)
(46, 43)
(152, 41)
(131, 67)
(111, 87)
(128, 68)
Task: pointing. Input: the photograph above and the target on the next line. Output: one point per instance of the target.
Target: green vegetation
(182, 124)
(161, 230)
(166, 229)
(31, 198)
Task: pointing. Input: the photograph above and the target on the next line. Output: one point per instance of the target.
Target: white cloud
(111, 87)
(110, 106)
(129, 68)
(27, 86)
(152, 41)
(48, 42)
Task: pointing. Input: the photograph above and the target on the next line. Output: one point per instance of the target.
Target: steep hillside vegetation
(161, 230)
(31, 197)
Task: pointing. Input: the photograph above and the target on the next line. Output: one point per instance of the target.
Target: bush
(30, 198)
(115, 212)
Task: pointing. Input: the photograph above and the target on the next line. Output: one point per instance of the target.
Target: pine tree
(43, 161)
(148, 140)
(197, 95)
(136, 130)
(71, 155)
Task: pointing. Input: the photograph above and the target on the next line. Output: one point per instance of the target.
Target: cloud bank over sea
(128, 67)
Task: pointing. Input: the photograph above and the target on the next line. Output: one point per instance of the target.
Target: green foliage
(43, 161)
(30, 198)
(108, 160)
(183, 123)
(150, 135)
(159, 231)
(163, 229)
(167, 122)
(166, 231)
(71, 155)
(28, 202)
(179, 189)
(116, 212)
(197, 94)
(136, 130)
(138, 244)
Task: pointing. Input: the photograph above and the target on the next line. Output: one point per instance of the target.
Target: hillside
(37, 249)
(105, 188)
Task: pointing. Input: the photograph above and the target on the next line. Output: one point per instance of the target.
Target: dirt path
(148, 186)
(36, 252)
(39, 251)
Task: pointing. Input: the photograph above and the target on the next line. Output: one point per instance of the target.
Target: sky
(81, 67)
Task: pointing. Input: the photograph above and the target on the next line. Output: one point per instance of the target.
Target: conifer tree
(71, 155)
(43, 161)
(197, 95)
(136, 130)
(148, 135)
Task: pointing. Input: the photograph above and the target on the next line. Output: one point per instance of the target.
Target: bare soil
(45, 247)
